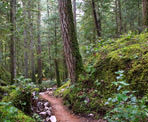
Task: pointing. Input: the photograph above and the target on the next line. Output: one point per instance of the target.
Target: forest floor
(62, 113)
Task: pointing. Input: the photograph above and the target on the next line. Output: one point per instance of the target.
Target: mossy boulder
(128, 53)
(10, 113)
(20, 99)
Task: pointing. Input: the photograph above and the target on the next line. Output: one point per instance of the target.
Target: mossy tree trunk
(25, 41)
(71, 47)
(57, 72)
(12, 40)
(39, 44)
(31, 39)
(145, 13)
(97, 19)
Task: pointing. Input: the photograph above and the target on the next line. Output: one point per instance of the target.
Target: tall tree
(71, 47)
(31, 38)
(75, 12)
(120, 16)
(96, 19)
(55, 60)
(25, 42)
(13, 39)
(145, 13)
(39, 44)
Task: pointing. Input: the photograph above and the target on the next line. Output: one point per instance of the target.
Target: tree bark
(75, 12)
(96, 19)
(120, 17)
(12, 40)
(145, 13)
(39, 45)
(55, 60)
(49, 42)
(71, 47)
(25, 42)
(31, 38)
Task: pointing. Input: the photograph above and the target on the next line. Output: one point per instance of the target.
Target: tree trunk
(145, 13)
(120, 17)
(55, 61)
(12, 40)
(31, 38)
(25, 42)
(57, 73)
(75, 12)
(96, 19)
(49, 42)
(116, 13)
(39, 45)
(71, 47)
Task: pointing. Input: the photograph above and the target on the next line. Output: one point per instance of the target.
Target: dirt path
(61, 112)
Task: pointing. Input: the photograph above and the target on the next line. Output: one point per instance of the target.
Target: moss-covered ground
(128, 53)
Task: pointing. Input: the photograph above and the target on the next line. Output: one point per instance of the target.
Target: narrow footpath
(61, 112)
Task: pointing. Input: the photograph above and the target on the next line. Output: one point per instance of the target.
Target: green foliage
(63, 90)
(21, 96)
(128, 54)
(9, 113)
(4, 76)
(37, 117)
(126, 107)
(6, 90)
(47, 84)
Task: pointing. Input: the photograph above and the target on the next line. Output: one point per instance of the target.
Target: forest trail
(61, 112)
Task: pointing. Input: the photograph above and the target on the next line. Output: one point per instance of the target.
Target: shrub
(126, 107)
(9, 113)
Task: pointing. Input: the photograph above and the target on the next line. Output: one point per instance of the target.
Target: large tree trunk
(49, 42)
(55, 60)
(39, 45)
(96, 19)
(75, 12)
(12, 39)
(31, 38)
(71, 47)
(25, 42)
(57, 73)
(145, 13)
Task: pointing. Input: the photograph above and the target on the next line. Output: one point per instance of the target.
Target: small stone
(43, 114)
(48, 113)
(46, 104)
(41, 93)
(47, 119)
(40, 106)
(53, 119)
(50, 89)
(46, 108)
(91, 115)
(33, 93)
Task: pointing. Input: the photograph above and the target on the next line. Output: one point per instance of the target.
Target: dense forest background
(99, 47)
(37, 32)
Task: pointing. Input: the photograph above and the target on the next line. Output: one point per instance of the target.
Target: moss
(20, 99)
(129, 53)
(4, 76)
(63, 90)
(6, 90)
(7, 114)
